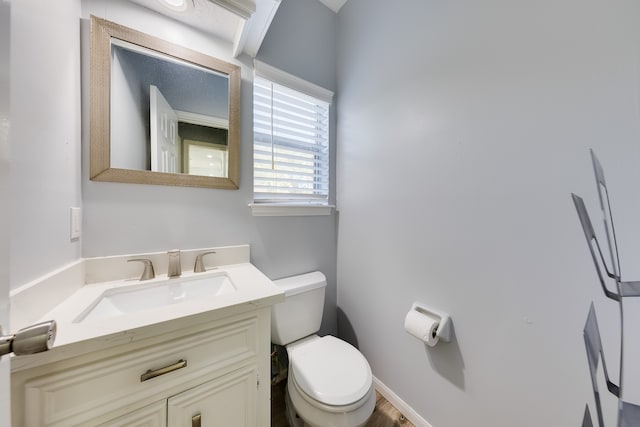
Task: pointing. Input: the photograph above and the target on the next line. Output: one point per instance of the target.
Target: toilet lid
(331, 371)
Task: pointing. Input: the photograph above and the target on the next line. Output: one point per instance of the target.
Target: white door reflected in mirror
(165, 144)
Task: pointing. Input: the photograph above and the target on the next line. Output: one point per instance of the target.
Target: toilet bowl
(329, 382)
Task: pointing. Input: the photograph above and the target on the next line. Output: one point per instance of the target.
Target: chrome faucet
(174, 269)
(148, 272)
(199, 265)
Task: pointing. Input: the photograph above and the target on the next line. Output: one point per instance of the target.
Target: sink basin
(134, 298)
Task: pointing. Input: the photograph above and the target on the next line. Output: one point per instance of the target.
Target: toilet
(329, 381)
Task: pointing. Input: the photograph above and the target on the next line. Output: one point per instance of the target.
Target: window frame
(291, 207)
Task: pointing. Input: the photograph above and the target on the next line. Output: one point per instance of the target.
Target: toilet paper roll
(422, 326)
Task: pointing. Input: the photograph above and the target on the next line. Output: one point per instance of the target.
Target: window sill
(290, 209)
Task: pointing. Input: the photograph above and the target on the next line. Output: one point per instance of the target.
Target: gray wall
(302, 41)
(463, 127)
(128, 218)
(305, 47)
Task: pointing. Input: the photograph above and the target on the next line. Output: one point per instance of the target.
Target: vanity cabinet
(226, 401)
(214, 373)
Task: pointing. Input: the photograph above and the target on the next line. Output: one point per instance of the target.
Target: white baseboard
(400, 404)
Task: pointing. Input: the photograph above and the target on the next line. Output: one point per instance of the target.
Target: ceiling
(201, 14)
(244, 23)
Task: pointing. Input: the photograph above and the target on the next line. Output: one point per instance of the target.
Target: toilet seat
(330, 372)
(294, 388)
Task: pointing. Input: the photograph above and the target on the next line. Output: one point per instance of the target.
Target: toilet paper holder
(443, 331)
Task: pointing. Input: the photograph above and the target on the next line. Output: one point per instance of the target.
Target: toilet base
(292, 416)
(355, 417)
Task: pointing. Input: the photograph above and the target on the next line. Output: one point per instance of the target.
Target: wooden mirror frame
(102, 31)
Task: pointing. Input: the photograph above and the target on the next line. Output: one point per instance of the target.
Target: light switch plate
(76, 222)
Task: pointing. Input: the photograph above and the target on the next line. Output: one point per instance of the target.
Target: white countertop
(253, 287)
(253, 290)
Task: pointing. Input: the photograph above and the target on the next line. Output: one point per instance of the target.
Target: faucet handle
(199, 265)
(148, 272)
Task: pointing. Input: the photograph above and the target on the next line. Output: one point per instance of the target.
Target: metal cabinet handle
(195, 421)
(152, 373)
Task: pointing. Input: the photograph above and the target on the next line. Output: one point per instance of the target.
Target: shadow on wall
(345, 329)
(446, 359)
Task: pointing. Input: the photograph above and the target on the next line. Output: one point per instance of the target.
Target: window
(290, 143)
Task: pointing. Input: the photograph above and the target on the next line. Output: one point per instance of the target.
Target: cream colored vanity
(201, 362)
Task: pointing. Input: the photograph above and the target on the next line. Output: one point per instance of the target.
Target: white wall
(5, 118)
(128, 218)
(463, 127)
(45, 136)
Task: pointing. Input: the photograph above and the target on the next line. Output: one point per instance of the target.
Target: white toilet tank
(300, 314)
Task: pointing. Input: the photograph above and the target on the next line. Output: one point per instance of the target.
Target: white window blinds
(290, 145)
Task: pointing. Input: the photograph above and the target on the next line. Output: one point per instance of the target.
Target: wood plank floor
(384, 415)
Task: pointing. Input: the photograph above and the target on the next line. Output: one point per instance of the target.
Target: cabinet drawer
(73, 396)
(154, 415)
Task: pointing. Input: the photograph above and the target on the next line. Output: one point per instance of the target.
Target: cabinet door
(226, 401)
(154, 415)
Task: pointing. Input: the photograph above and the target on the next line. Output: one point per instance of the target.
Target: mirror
(161, 113)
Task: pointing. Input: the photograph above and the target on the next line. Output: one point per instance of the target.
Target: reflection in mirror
(172, 113)
(204, 150)
(157, 102)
